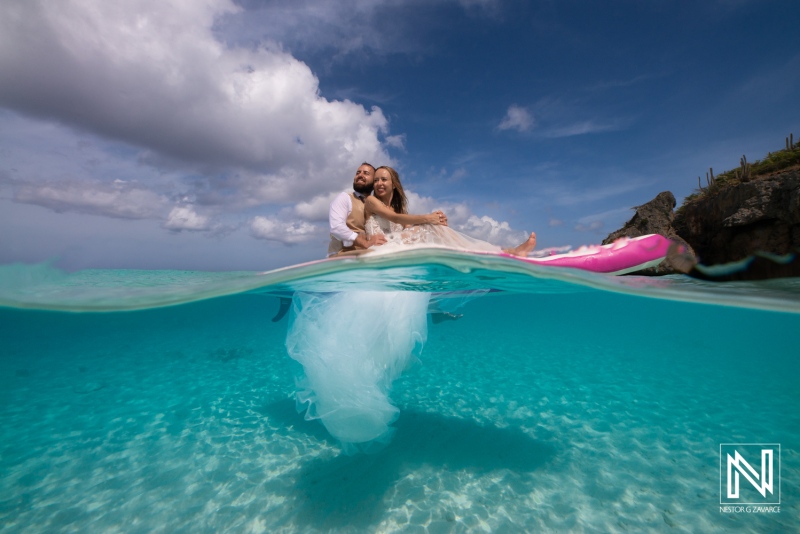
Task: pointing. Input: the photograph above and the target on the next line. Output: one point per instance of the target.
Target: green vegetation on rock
(774, 162)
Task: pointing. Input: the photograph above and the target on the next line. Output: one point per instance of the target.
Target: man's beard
(365, 189)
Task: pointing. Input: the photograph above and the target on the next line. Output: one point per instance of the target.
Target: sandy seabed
(514, 420)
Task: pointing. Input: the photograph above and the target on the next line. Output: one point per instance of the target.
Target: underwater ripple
(560, 403)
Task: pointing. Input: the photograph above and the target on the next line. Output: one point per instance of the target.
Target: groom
(346, 216)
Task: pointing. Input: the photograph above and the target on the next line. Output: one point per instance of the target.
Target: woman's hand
(437, 217)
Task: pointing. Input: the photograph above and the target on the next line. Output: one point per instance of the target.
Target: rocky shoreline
(757, 216)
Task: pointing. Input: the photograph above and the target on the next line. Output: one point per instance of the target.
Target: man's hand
(362, 242)
(376, 240)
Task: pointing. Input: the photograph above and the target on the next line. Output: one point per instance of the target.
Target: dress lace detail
(422, 235)
(378, 225)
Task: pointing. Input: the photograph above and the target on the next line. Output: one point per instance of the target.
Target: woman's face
(383, 184)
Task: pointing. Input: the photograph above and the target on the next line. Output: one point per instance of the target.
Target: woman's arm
(373, 205)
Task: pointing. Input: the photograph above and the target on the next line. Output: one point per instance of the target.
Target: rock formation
(758, 215)
(655, 217)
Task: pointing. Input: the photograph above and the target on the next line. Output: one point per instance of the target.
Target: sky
(212, 134)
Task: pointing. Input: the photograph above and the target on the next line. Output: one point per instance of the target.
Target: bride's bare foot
(525, 248)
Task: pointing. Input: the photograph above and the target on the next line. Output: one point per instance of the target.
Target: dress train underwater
(353, 345)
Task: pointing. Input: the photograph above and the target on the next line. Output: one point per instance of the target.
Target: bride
(354, 344)
(386, 213)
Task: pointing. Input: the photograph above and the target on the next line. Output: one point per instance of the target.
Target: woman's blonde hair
(399, 201)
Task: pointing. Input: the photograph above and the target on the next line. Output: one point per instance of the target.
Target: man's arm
(362, 242)
(337, 217)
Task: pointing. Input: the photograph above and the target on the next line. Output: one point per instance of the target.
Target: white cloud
(572, 194)
(316, 209)
(517, 118)
(457, 175)
(626, 82)
(456, 213)
(495, 232)
(558, 117)
(484, 4)
(583, 128)
(460, 217)
(596, 222)
(153, 75)
(419, 204)
(347, 28)
(119, 199)
(397, 141)
(594, 226)
(287, 233)
(445, 175)
(185, 218)
(610, 215)
(146, 102)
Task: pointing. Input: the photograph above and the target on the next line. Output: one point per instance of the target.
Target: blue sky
(213, 134)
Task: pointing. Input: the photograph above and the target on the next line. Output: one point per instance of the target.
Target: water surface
(566, 401)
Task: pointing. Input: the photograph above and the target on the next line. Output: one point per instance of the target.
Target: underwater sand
(582, 410)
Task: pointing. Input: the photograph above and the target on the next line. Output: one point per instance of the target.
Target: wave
(441, 272)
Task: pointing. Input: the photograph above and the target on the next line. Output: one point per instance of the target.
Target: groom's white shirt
(337, 217)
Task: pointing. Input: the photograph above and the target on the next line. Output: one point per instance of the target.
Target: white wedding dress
(424, 235)
(354, 344)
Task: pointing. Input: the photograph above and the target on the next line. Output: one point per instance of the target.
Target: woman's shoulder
(372, 205)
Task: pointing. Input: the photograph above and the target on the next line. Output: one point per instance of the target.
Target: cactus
(745, 174)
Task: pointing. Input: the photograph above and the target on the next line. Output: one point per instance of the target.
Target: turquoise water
(567, 401)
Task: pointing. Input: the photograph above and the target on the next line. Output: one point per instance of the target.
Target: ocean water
(559, 401)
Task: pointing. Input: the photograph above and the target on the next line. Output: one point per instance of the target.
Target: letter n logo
(750, 473)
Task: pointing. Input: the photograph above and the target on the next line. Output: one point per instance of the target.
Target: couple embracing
(375, 214)
(347, 378)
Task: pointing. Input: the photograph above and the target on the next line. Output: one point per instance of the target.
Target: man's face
(362, 183)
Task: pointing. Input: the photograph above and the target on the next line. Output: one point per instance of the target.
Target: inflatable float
(625, 255)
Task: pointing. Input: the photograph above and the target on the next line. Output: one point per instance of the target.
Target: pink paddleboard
(625, 255)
